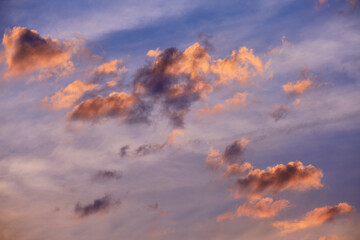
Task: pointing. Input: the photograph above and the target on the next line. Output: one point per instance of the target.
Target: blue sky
(101, 138)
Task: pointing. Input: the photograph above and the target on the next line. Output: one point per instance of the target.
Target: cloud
(294, 176)
(105, 175)
(101, 205)
(175, 80)
(26, 51)
(111, 70)
(297, 88)
(142, 150)
(147, 149)
(264, 208)
(279, 112)
(68, 96)
(124, 151)
(235, 169)
(231, 154)
(235, 101)
(156, 208)
(241, 65)
(172, 136)
(171, 83)
(332, 237)
(117, 104)
(314, 218)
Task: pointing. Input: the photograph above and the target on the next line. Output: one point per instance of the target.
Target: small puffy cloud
(105, 175)
(314, 218)
(264, 208)
(68, 96)
(279, 112)
(25, 51)
(101, 205)
(235, 169)
(298, 87)
(293, 176)
(117, 104)
(172, 136)
(241, 65)
(231, 154)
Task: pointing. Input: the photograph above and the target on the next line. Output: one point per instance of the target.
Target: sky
(221, 120)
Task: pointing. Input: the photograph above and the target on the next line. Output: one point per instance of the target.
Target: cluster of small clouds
(171, 83)
(253, 184)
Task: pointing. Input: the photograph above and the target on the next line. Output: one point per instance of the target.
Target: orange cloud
(297, 88)
(176, 132)
(235, 169)
(154, 53)
(117, 104)
(26, 51)
(232, 153)
(264, 208)
(314, 218)
(240, 65)
(68, 96)
(294, 176)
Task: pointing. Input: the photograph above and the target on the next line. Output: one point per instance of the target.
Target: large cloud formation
(175, 80)
(26, 51)
(294, 176)
(264, 208)
(314, 218)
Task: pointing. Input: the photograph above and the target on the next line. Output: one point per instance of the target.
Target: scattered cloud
(101, 205)
(105, 175)
(241, 65)
(280, 112)
(264, 208)
(332, 237)
(68, 96)
(172, 136)
(294, 176)
(314, 218)
(25, 51)
(231, 154)
(238, 99)
(117, 104)
(236, 169)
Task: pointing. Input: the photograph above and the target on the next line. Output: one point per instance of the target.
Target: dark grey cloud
(105, 175)
(97, 206)
(280, 112)
(233, 152)
(142, 150)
